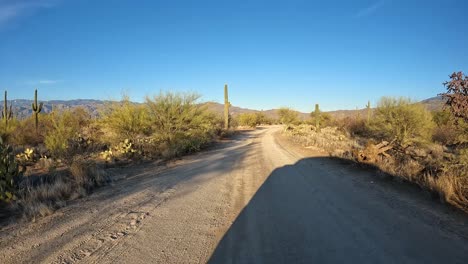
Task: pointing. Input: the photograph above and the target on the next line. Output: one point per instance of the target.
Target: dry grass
(428, 166)
(86, 174)
(44, 199)
(53, 191)
(452, 189)
(329, 139)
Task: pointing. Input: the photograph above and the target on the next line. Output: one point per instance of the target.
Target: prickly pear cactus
(10, 174)
(124, 148)
(27, 155)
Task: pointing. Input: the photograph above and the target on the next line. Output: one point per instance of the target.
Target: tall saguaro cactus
(317, 117)
(368, 106)
(7, 114)
(36, 109)
(226, 107)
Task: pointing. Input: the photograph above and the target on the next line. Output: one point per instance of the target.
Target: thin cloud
(49, 81)
(43, 82)
(370, 9)
(11, 10)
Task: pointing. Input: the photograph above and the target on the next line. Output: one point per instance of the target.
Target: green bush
(65, 128)
(287, 116)
(262, 119)
(123, 120)
(6, 132)
(402, 120)
(325, 119)
(24, 133)
(179, 123)
(248, 120)
(355, 126)
(450, 129)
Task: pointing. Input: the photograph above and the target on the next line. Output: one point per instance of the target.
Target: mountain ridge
(22, 107)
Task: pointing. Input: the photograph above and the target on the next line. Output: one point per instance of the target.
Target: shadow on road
(321, 211)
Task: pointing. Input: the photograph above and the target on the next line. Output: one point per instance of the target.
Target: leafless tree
(457, 95)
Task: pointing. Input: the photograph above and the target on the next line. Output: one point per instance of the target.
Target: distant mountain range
(22, 108)
(434, 103)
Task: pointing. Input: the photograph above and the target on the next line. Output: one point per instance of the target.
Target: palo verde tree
(402, 120)
(288, 116)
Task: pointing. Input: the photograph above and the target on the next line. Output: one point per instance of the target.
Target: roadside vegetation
(253, 120)
(49, 159)
(402, 139)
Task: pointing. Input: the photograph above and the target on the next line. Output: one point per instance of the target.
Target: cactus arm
(10, 113)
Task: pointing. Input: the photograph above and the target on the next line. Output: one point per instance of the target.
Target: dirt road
(255, 199)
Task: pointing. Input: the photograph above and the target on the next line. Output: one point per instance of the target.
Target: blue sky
(271, 53)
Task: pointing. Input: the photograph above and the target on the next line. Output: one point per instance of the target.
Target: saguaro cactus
(36, 109)
(226, 107)
(368, 106)
(6, 113)
(317, 117)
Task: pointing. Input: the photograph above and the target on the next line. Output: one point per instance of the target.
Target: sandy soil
(255, 199)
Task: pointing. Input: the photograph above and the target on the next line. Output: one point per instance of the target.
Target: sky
(339, 54)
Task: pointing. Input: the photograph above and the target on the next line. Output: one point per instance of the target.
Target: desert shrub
(442, 118)
(355, 126)
(6, 132)
(124, 120)
(10, 174)
(324, 119)
(452, 182)
(449, 128)
(24, 133)
(445, 135)
(253, 119)
(86, 174)
(233, 121)
(445, 130)
(179, 124)
(262, 119)
(287, 116)
(402, 120)
(64, 132)
(329, 139)
(248, 119)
